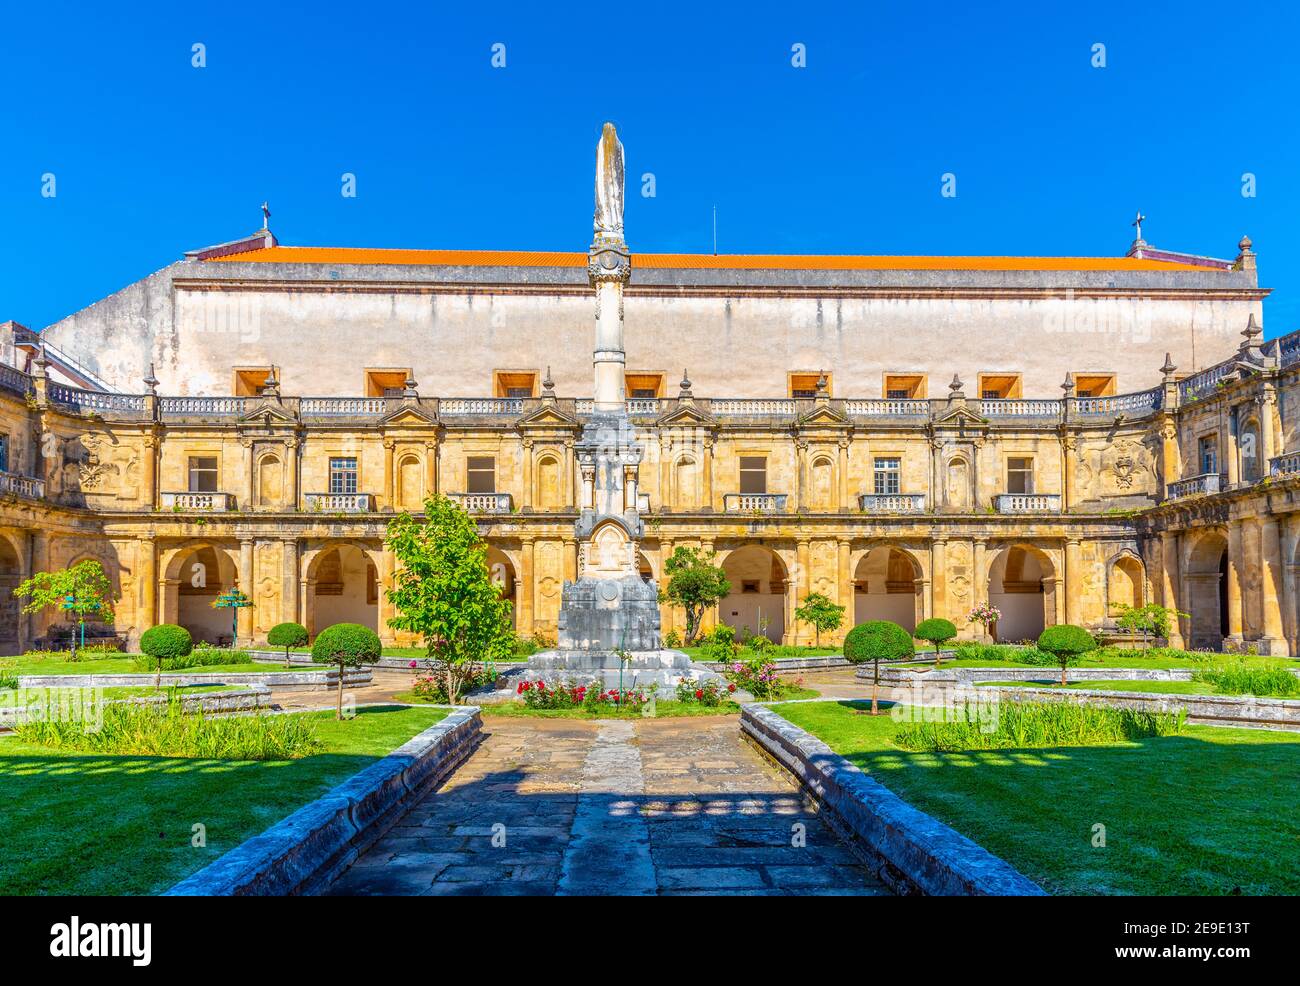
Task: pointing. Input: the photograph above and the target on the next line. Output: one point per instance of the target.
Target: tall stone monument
(609, 616)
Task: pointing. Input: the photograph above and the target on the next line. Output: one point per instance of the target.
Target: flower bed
(539, 695)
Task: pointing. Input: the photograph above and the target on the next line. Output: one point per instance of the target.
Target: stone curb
(323, 679)
(917, 853)
(302, 853)
(244, 700)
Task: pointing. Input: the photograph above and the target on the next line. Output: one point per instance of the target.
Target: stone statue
(609, 184)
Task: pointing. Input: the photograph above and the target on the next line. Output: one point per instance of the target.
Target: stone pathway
(648, 806)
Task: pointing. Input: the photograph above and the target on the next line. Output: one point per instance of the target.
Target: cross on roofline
(1137, 223)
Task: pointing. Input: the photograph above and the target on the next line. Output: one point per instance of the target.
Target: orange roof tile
(688, 261)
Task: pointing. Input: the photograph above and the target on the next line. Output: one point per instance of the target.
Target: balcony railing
(1130, 405)
(891, 503)
(1210, 482)
(733, 407)
(483, 503)
(481, 405)
(887, 408)
(759, 503)
(218, 502)
(1017, 408)
(1206, 382)
(14, 379)
(1284, 465)
(352, 407)
(24, 486)
(1027, 503)
(94, 400)
(339, 503)
(216, 407)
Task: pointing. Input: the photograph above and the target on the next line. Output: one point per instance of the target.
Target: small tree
(935, 631)
(875, 641)
(1066, 642)
(349, 645)
(287, 635)
(1151, 620)
(82, 590)
(444, 592)
(694, 583)
(163, 643)
(820, 613)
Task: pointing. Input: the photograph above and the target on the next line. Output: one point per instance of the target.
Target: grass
(411, 653)
(1211, 811)
(1236, 677)
(700, 653)
(1160, 687)
(124, 664)
(81, 823)
(1133, 659)
(1029, 725)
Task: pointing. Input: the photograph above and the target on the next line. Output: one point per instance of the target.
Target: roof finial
(548, 385)
(1168, 369)
(266, 216)
(409, 386)
(685, 385)
(151, 381)
(955, 389)
(1068, 384)
(1137, 224)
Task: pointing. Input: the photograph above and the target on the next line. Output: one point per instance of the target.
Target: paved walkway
(649, 806)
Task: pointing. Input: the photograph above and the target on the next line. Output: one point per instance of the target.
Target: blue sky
(152, 156)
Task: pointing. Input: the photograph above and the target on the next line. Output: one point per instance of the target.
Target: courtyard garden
(1183, 809)
(79, 819)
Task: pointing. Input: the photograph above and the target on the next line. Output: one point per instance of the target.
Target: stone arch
(1125, 582)
(410, 483)
(340, 585)
(505, 575)
(760, 591)
(1022, 584)
(270, 480)
(194, 574)
(685, 493)
(11, 574)
(645, 567)
(1206, 593)
(957, 486)
(1250, 450)
(549, 492)
(888, 584)
(821, 483)
(607, 553)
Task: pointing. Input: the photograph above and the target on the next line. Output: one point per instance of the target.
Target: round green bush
(878, 640)
(166, 641)
(936, 630)
(1066, 640)
(349, 644)
(287, 635)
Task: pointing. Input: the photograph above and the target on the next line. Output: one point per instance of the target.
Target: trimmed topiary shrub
(1066, 642)
(165, 642)
(287, 635)
(874, 641)
(935, 631)
(349, 645)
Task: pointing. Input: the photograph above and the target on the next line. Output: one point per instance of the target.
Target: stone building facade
(831, 450)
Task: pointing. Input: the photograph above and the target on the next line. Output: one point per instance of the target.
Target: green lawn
(1203, 813)
(89, 824)
(126, 665)
(1136, 660)
(699, 653)
(1160, 687)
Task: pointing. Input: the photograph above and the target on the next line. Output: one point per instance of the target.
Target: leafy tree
(287, 635)
(83, 589)
(818, 611)
(444, 592)
(1151, 620)
(349, 645)
(163, 643)
(694, 583)
(936, 631)
(1066, 642)
(874, 641)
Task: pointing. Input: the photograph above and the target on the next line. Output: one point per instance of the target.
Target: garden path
(646, 806)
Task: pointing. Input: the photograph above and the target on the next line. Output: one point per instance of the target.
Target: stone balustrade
(760, 503)
(203, 407)
(352, 407)
(887, 408)
(15, 380)
(1210, 482)
(481, 405)
(1027, 503)
(1284, 465)
(483, 503)
(24, 486)
(335, 503)
(1130, 405)
(95, 400)
(217, 502)
(891, 503)
(733, 407)
(1018, 408)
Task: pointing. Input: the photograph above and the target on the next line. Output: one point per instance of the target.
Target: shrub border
(913, 852)
(303, 853)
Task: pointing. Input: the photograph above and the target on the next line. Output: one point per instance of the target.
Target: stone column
(1234, 582)
(1069, 453)
(706, 468)
(387, 566)
(1267, 428)
(667, 614)
(710, 617)
(146, 550)
(389, 500)
(289, 575)
(1171, 466)
(801, 470)
(1289, 583)
(939, 578)
(430, 469)
(524, 597)
(244, 621)
(1232, 453)
(844, 578)
(291, 450)
(526, 494)
(1073, 582)
(979, 583)
(149, 493)
(804, 580)
(1169, 581)
(244, 495)
(1271, 585)
(844, 497)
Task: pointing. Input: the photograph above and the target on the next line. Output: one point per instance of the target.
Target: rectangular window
(480, 474)
(514, 383)
(1208, 453)
(904, 386)
(749, 586)
(805, 384)
(887, 473)
(389, 382)
(343, 475)
(644, 384)
(753, 474)
(249, 380)
(1094, 385)
(1020, 475)
(999, 386)
(203, 474)
(4, 453)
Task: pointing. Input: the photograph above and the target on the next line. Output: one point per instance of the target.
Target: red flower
(731, 688)
(699, 693)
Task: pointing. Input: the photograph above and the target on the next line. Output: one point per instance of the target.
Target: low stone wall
(301, 854)
(914, 852)
(321, 680)
(243, 700)
(1218, 710)
(831, 662)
